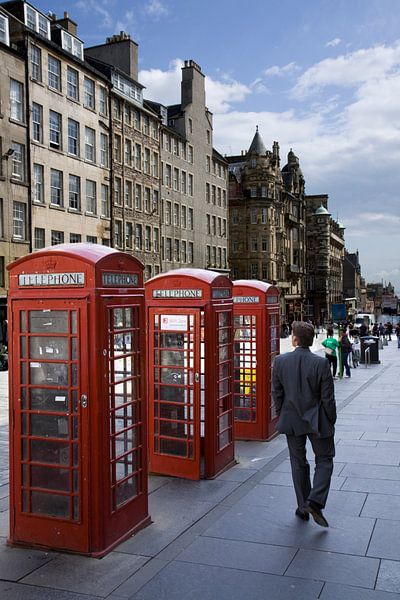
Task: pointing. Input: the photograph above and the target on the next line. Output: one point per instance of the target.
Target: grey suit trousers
(324, 450)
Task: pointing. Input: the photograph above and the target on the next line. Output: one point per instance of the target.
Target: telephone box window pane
(49, 426)
(125, 442)
(118, 319)
(49, 452)
(42, 321)
(24, 399)
(44, 399)
(175, 448)
(126, 490)
(73, 321)
(75, 455)
(74, 401)
(48, 374)
(125, 466)
(50, 478)
(23, 347)
(23, 373)
(48, 347)
(24, 424)
(52, 505)
(75, 428)
(23, 321)
(74, 349)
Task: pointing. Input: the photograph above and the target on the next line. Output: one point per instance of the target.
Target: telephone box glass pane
(49, 430)
(224, 411)
(245, 365)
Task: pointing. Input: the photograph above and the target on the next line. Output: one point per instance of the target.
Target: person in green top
(330, 345)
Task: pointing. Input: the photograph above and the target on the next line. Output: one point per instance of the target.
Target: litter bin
(371, 342)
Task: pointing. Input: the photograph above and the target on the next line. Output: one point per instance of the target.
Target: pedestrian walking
(345, 348)
(331, 344)
(397, 332)
(304, 398)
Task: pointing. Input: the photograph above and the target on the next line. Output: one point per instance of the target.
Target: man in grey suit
(304, 397)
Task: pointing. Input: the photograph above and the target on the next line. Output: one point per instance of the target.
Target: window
(91, 239)
(263, 191)
(36, 63)
(138, 197)
(176, 250)
(190, 186)
(190, 154)
(16, 100)
(38, 177)
(91, 197)
(103, 106)
(213, 194)
(34, 20)
(75, 238)
(147, 200)
(207, 192)
(253, 192)
(253, 216)
(56, 187)
(18, 161)
(155, 164)
(54, 73)
(105, 201)
(183, 182)
(103, 150)
(117, 191)
(208, 136)
(183, 217)
(71, 44)
(190, 218)
(74, 192)
(168, 213)
(146, 161)
(136, 119)
(235, 246)
(19, 220)
(235, 216)
(208, 224)
(183, 251)
(127, 114)
(254, 271)
(168, 248)
(72, 83)
(190, 252)
(167, 179)
(118, 233)
(190, 123)
(4, 34)
(128, 152)
(253, 163)
(1, 219)
(88, 93)
(117, 109)
(176, 215)
(264, 216)
(138, 237)
(253, 244)
(147, 238)
(219, 196)
(39, 238)
(73, 137)
(176, 179)
(117, 148)
(138, 157)
(57, 237)
(37, 122)
(224, 262)
(265, 272)
(208, 255)
(208, 163)
(146, 125)
(128, 194)
(219, 226)
(90, 149)
(55, 130)
(224, 198)
(128, 234)
(156, 240)
(213, 225)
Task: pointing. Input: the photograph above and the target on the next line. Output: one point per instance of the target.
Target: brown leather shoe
(302, 514)
(316, 514)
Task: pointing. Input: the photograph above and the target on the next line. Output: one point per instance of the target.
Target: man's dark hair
(304, 333)
(329, 331)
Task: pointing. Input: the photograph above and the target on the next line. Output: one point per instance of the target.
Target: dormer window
(253, 163)
(4, 33)
(36, 21)
(71, 44)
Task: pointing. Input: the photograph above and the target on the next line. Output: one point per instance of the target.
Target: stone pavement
(236, 537)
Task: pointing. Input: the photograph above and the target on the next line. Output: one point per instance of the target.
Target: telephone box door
(174, 391)
(50, 423)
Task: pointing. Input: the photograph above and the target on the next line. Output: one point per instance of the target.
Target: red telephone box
(256, 343)
(190, 373)
(78, 464)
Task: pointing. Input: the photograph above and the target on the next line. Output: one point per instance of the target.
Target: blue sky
(319, 76)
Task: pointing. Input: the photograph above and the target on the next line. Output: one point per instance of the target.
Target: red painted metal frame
(212, 390)
(102, 524)
(258, 301)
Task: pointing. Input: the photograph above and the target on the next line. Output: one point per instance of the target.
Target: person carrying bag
(330, 345)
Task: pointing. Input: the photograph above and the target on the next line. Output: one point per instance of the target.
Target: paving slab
(16, 563)
(198, 582)
(279, 478)
(346, 534)
(337, 568)
(237, 474)
(14, 591)
(334, 591)
(370, 456)
(379, 486)
(385, 542)
(86, 575)
(371, 471)
(247, 556)
(389, 576)
(381, 506)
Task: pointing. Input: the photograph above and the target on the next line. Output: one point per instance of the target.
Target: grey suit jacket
(303, 393)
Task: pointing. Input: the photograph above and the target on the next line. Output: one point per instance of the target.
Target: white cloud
(277, 71)
(165, 87)
(333, 43)
(127, 23)
(155, 8)
(98, 8)
(349, 70)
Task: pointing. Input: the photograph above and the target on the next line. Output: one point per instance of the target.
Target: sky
(319, 76)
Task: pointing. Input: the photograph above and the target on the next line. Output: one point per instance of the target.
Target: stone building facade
(68, 153)
(134, 127)
(14, 172)
(194, 181)
(267, 222)
(325, 256)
